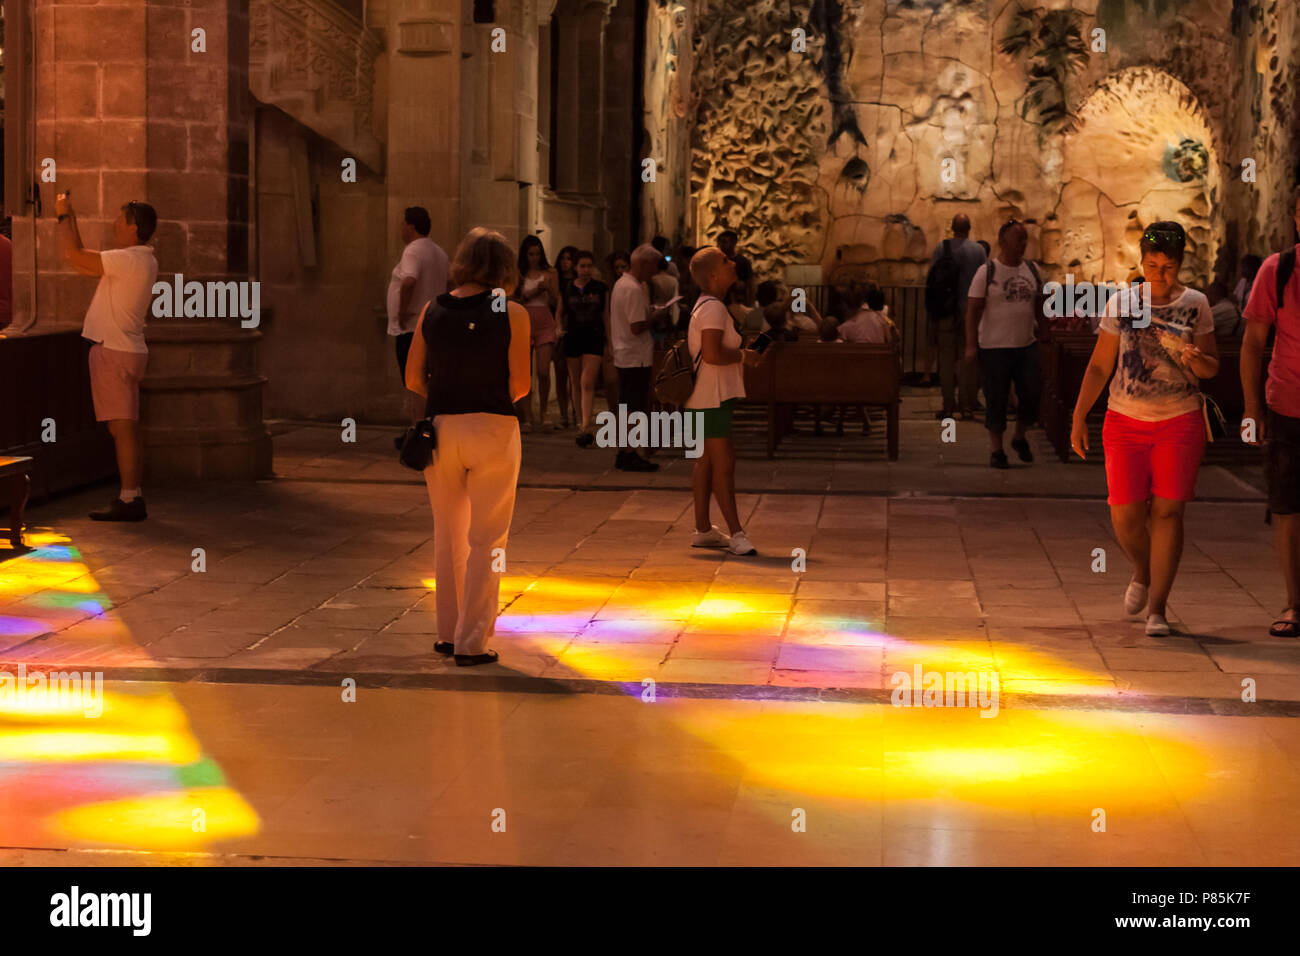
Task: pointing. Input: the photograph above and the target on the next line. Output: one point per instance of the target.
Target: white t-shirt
(866, 326)
(427, 263)
(1009, 321)
(628, 303)
(116, 316)
(714, 384)
(1149, 383)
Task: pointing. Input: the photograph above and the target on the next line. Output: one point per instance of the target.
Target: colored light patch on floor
(1031, 761)
(116, 767)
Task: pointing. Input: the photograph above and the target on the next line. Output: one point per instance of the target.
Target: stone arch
(1143, 150)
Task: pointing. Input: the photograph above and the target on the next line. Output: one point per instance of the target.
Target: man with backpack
(1275, 301)
(1005, 320)
(952, 268)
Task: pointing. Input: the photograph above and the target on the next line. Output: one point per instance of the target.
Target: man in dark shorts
(1281, 429)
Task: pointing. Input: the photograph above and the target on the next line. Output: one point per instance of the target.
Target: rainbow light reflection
(132, 777)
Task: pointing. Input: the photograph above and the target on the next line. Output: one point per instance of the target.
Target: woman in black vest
(470, 359)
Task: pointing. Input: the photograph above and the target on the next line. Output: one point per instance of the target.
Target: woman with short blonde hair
(469, 358)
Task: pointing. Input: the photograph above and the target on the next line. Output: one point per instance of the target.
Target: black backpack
(943, 284)
(1285, 268)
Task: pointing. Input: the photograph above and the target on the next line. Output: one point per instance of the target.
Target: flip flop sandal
(445, 647)
(469, 660)
(1284, 628)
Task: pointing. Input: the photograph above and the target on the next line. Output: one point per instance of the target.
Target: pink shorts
(1152, 459)
(542, 323)
(115, 382)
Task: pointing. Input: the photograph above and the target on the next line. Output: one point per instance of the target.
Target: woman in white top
(1154, 435)
(715, 345)
(539, 292)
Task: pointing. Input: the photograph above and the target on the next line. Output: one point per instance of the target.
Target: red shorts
(1152, 459)
(115, 382)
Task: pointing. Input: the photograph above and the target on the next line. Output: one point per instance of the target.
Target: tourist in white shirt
(634, 347)
(719, 383)
(419, 277)
(1004, 318)
(115, 322)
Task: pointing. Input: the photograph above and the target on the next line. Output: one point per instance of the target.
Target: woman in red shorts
(1154, 435)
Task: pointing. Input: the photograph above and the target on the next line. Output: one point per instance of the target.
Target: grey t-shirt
(970, 256)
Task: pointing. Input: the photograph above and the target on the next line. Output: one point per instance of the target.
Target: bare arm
(974, 312)
(1203, 357)
(714, 352)
(1100, 366)
(521, 375)
(1252, 365)
(408, 289)
(417, 376)
(86, 261)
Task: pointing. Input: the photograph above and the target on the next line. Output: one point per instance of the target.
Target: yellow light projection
(100, 767)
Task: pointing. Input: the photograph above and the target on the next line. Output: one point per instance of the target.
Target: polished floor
(292, 773)
(898, 679)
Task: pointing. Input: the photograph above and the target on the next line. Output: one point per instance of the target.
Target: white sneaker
(713, 538)
(740, 544)
(1157, 626)
(1135, 598)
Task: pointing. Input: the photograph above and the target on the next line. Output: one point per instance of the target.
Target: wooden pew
(15, 476)
(826, 373)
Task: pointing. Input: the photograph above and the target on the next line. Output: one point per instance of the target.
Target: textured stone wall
(857, 153)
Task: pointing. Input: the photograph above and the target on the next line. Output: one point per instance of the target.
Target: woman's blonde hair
(485, 257)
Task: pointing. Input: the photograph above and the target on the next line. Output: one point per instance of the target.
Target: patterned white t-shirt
(1150, 384)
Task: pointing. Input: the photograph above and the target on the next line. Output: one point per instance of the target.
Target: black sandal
(470, 660)
(1285, 628)
(444, 647)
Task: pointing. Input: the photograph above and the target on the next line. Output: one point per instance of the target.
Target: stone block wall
(129, 110)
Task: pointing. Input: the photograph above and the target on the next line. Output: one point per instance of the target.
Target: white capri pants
(472, 490)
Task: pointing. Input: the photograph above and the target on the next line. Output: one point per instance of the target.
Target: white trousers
(472, 490)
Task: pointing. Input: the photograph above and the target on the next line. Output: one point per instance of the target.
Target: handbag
(1216, 426)
(418, 443)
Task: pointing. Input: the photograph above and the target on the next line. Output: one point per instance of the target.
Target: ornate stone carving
(760, 129)
(317, 63)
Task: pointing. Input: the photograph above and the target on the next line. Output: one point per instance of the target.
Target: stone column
(424, 96)
(620, 171)
(202, 399)
(128, 109)
(569, 90)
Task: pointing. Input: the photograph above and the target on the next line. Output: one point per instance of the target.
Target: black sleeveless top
(467, 356)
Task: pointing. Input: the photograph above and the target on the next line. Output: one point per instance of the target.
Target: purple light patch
(22, 626)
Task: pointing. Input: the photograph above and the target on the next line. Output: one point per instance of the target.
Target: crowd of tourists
(472, 332)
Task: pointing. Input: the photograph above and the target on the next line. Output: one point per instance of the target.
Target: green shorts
(717, 421)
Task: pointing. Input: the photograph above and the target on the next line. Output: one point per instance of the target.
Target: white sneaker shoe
(1157, 626)
(740, 544)
(1135, 598)
(713, 538)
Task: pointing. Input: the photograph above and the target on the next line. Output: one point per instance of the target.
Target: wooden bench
(15, 474)
(826, 373)
(1065, 359)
